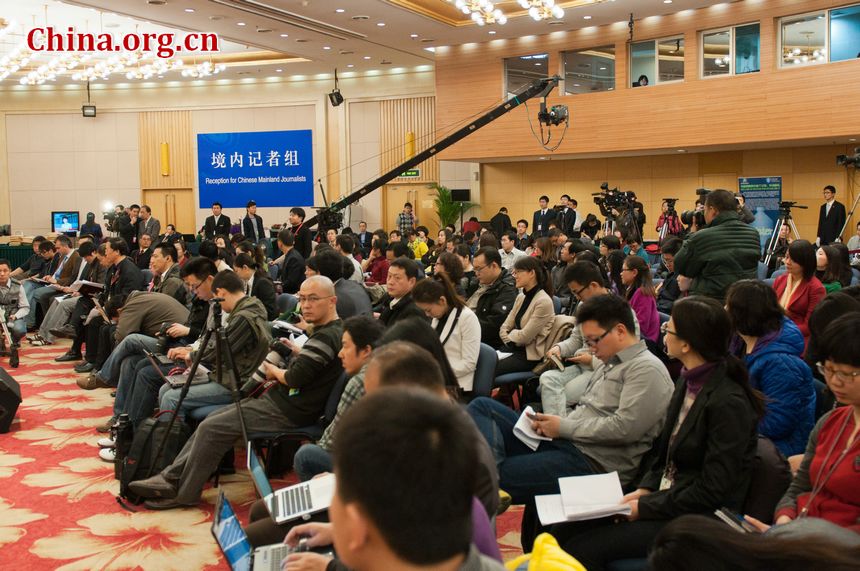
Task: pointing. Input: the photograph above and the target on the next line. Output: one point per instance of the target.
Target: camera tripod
(223, 358)
(785, 219)
(670, 220)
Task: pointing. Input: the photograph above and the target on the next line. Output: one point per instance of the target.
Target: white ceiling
(320, 36)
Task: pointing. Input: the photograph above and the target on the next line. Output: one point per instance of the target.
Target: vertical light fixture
(165, 159)
(410, 145)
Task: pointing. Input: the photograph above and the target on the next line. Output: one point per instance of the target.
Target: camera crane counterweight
(330, 216)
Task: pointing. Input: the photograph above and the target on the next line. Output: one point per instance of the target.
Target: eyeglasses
(595, 342)
(579, 291)
(478, 269)
(304, 300)
(664, 329)
(842, 376)
(193, 287)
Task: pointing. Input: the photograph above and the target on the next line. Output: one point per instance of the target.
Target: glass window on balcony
(643, 64)
(670, 60)
(589, 71)
(845, 33)
(523, 70)
(747, 49)
(803, 40)
(716, 53)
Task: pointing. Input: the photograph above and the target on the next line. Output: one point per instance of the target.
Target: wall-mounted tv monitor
(65, 222)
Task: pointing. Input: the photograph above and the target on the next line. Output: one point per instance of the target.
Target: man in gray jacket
(618, 417)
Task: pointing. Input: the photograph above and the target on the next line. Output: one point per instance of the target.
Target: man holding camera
(297, 398)
(724, 251)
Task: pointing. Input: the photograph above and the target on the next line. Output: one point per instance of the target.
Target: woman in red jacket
(798, 290)
(827, 485)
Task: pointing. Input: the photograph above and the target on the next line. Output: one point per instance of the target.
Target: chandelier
(204, 69)
(799, 56)
(482, 11)
(158, 68)
(543, 9)
(55, 67)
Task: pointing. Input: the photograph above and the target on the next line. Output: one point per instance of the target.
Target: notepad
(524, 431)
(592, 497)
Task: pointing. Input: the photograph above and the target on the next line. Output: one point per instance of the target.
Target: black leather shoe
(64, 332)
(69, 356)
(84, 367)
(170, 504)
(153, 488)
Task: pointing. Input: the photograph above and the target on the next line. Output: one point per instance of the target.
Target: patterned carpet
(57, 500)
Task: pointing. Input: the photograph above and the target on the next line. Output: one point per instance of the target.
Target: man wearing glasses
(618, 417)
(562, 389)
(831, 218)
(297, 398)
(495, 296)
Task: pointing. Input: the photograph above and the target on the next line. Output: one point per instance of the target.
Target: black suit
(403, 309)
(500, 223)
(248, 225)
(264, 290)
(220, 228)
(540, 222)
(829, 225)
(566, 220)
(292, 272)
(365, 242)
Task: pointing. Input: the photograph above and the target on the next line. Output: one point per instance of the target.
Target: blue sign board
(763, 195)
(273, 168)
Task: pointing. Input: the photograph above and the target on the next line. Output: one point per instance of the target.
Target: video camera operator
(724, 251)
(622, 208)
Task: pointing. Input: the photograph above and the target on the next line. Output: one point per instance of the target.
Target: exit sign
(414, 173)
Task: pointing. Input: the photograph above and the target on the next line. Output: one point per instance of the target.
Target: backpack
(139, 462)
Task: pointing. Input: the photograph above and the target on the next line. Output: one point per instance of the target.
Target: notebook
(524, 431)
(583, 498)
(233, 541)
(291, 502)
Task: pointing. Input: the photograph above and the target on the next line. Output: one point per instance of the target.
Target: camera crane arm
(538, 88)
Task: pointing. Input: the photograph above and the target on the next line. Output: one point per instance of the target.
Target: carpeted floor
(57, 498)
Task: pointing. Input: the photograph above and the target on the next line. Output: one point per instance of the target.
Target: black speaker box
(10, 398)
(460, 194)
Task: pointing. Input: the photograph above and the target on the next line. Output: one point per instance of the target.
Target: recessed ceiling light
(851, 140)
(667, 1)
(189, 10)
(240, 23)
(586, 17)
(350, 65)
(285, 35)
(413, 35)
(492, 32)
(682, 150)
(340, 10)
(326, 47)
(380, 24)
(366, 57)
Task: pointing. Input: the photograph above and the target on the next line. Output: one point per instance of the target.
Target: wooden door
(173, 206)
(421, 197)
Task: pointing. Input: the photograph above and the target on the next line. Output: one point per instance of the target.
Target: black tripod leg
(224, 351)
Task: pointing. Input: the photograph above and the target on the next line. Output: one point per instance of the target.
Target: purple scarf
(698, 376)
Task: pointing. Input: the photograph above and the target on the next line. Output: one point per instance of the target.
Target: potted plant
(447, 210)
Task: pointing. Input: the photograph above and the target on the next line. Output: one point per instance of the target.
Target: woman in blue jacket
(772, 345)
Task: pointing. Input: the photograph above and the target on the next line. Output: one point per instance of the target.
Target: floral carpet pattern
(58, 507)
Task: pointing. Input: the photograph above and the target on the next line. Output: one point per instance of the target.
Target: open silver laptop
(233, 541)
(291, 502)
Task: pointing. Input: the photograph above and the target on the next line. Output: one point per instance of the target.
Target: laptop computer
(176, 381)
(291, 502)
(233, 541)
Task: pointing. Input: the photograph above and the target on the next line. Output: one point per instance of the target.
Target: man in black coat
(128, 224)
(293, 266)
(831, 218)
(216, 225)
(365, 240)
(301, 234)
(566, 217)
(501, 222)
(495, 297)
(397, 303)
(542, 218)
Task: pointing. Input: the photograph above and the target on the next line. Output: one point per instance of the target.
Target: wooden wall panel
(774, 107)
(398, 117)
(804, 172)
(173, 128)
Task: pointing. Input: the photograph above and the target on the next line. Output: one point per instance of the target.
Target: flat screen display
(63, 222)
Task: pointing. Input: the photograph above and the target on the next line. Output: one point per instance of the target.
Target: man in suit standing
(148, 223)
(501, 222)
(365, 239)
(293, 267)
(217, 224)
(567, 219)
(542, 218)
(831, 218)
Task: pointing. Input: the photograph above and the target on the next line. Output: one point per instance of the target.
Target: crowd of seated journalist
(702, 382)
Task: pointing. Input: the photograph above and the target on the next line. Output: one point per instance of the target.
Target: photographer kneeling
(725, 251)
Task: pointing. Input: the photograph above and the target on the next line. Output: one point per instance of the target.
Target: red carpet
(57, 501)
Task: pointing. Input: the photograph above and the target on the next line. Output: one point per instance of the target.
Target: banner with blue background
(273, 168)
(763, 195)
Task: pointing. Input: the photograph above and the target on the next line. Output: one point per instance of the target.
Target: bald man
(297, 399)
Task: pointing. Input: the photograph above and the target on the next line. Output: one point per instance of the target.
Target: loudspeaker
(10, 398)
(460, 194)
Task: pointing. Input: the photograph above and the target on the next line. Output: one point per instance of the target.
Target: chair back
(761, 272)
(485, 371)
(274, 271)
(770, 478)
(334, 398)
(556, 304)
(287, 302)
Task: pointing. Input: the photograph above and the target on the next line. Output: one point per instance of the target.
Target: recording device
(690, 217)
(735, 521)
(703, 191)
(610, 199)
(849, 160)
(787, 205)
(110, 219)
(278, 356)
(554, 116)
(670, 206)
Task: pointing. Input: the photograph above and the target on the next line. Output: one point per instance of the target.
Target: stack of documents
(524, 431)
(583, 498)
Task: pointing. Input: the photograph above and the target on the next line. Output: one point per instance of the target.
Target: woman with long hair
(798, 290)
(833, 268)
(545, 252)
(457, 326)
(614, 264)
(182, 255)
(636, 277)
(257, 253)
(702, 459)
(450, 265)
(771, 345)
(707, 544)
(444, 236)
(591, 226)
(525, 332)
(257, 283)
